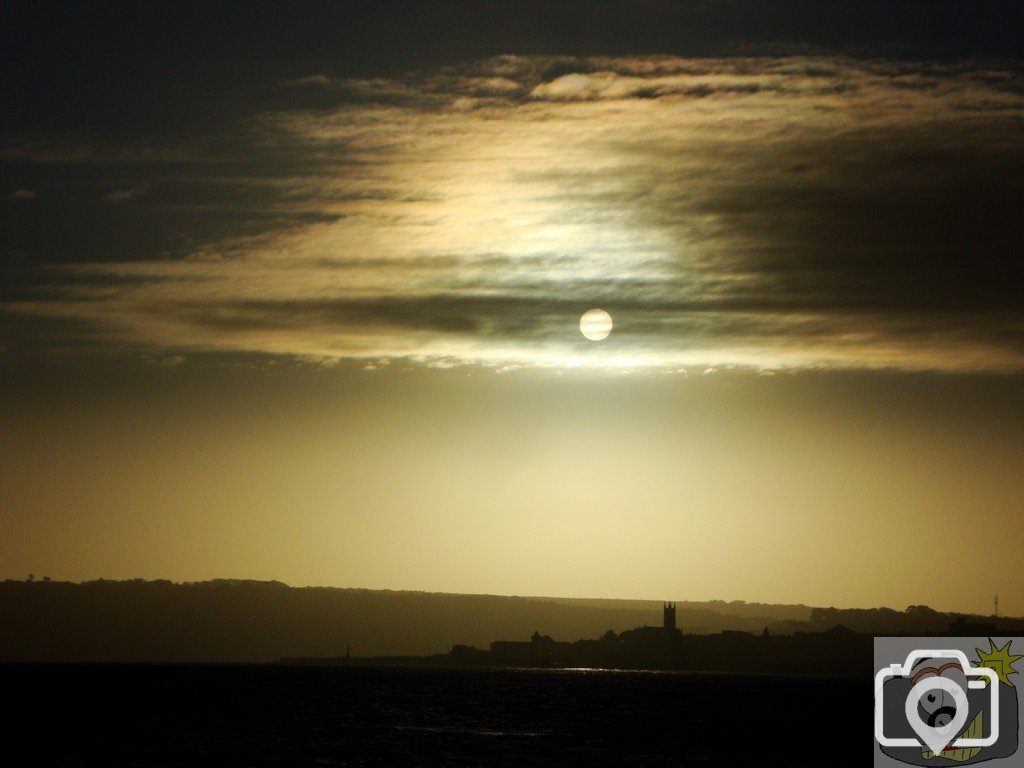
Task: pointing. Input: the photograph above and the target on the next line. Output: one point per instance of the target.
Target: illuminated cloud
(763, 212)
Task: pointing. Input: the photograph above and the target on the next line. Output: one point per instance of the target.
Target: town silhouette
(252, 621)
(839, 651)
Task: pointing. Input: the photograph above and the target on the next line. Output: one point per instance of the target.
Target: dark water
(323, 716)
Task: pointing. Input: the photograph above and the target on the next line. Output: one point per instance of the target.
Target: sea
(299, 715)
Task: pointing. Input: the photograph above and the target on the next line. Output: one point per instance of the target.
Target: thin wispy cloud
(763, 212)
(125, 195)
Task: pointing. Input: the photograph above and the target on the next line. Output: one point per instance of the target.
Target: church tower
(669, 617)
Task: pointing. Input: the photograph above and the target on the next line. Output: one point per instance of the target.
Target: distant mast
(995, 613)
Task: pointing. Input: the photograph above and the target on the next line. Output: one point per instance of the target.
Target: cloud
(23, 194)
(768, 212)
(319, 80)
(124, 195)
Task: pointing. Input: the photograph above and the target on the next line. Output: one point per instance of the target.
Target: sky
(296, 295)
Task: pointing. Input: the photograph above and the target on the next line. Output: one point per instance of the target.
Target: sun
(596, 324)
(999, 660)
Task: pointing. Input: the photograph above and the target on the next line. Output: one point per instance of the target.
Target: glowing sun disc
(596, 324)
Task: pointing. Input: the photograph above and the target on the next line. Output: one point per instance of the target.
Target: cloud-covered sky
(261, 262)
(785, 209)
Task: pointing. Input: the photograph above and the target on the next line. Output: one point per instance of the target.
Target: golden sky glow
(324, 326)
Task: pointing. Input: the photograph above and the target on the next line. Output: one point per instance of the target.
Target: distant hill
(233, 620)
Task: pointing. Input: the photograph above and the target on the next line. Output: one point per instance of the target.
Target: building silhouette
(838, 650)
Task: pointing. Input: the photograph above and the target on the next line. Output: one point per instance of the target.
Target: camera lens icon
(936, 708)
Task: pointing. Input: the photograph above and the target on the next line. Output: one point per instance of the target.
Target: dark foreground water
(322, 716)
